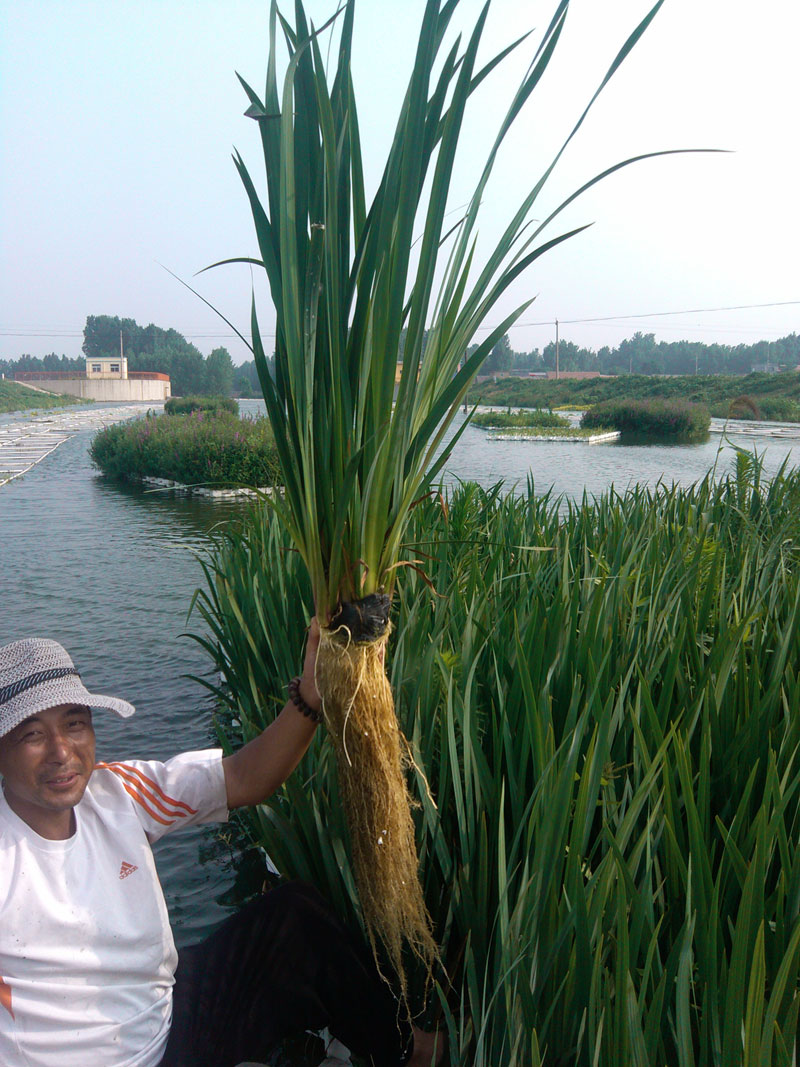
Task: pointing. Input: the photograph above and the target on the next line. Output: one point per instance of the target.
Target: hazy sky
(118, 119)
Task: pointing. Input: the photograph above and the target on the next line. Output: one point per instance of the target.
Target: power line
(40, 333)
(53, 332)
(701, 327)
(656, 314)
(79, 333)
(692, 311)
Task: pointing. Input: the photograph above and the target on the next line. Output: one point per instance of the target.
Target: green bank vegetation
(777, 396)
(218, 450)
(16, 397)
(744, 406)
(606, 698)
(676, 419)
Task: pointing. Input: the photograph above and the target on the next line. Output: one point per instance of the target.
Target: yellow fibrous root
(359, 712)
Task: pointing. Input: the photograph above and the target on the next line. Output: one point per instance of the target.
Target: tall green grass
(605, 697)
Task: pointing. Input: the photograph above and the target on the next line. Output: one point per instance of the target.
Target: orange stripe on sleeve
(123, 771)
(5, 996)
(118, 768)
(143, 804)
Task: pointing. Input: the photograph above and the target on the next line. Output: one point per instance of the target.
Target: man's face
(46, 763)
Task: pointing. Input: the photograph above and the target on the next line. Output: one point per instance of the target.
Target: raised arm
(256, 770)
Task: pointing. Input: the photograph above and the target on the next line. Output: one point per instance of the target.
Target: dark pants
(282, 965)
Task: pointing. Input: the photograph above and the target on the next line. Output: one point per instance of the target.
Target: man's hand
(261, 766)
(308, 687)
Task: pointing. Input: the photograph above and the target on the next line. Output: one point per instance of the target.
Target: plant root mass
(370, 753)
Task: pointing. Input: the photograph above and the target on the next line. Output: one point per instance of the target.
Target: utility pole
(556, 349)
(120, 344)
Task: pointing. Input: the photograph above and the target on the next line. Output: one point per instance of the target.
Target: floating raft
(26, 442)
(780, 432)
(206, 490)
(610, 435)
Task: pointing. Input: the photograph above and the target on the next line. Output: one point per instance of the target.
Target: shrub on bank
(605, 702)
(654, 418)
(185, 405)
(217, 450)
(507, 420)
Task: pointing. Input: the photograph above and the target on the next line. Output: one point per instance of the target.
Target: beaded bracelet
(300, 704)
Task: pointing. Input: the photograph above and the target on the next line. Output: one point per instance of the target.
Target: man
(87, 959)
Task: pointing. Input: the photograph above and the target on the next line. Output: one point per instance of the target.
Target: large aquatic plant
(357, 448)
(607, 702)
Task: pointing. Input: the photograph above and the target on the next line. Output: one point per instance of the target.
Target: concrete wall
(109, 389)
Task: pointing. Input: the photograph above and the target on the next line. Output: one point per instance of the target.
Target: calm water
(110, 572)
(570, 467)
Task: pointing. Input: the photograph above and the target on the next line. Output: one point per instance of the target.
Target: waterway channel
(109, 572)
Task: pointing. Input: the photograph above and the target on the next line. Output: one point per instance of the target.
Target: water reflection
(160, 508)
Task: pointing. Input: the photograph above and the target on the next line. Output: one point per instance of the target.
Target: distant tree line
(167, 351)
(642, 354)
(150, 348)
(155, 349)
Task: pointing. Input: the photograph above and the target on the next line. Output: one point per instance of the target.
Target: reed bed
(662, 417)
(213, 448)
(605, 697)
(187, 405)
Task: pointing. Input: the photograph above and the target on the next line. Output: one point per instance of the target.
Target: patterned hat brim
(49, 689)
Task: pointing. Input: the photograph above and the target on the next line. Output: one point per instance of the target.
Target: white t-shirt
(87, 956)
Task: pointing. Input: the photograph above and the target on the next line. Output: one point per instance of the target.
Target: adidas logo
(126, 868)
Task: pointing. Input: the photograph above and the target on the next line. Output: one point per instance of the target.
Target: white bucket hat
(36, 674)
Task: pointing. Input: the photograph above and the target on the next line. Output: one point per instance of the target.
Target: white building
(107, 368)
